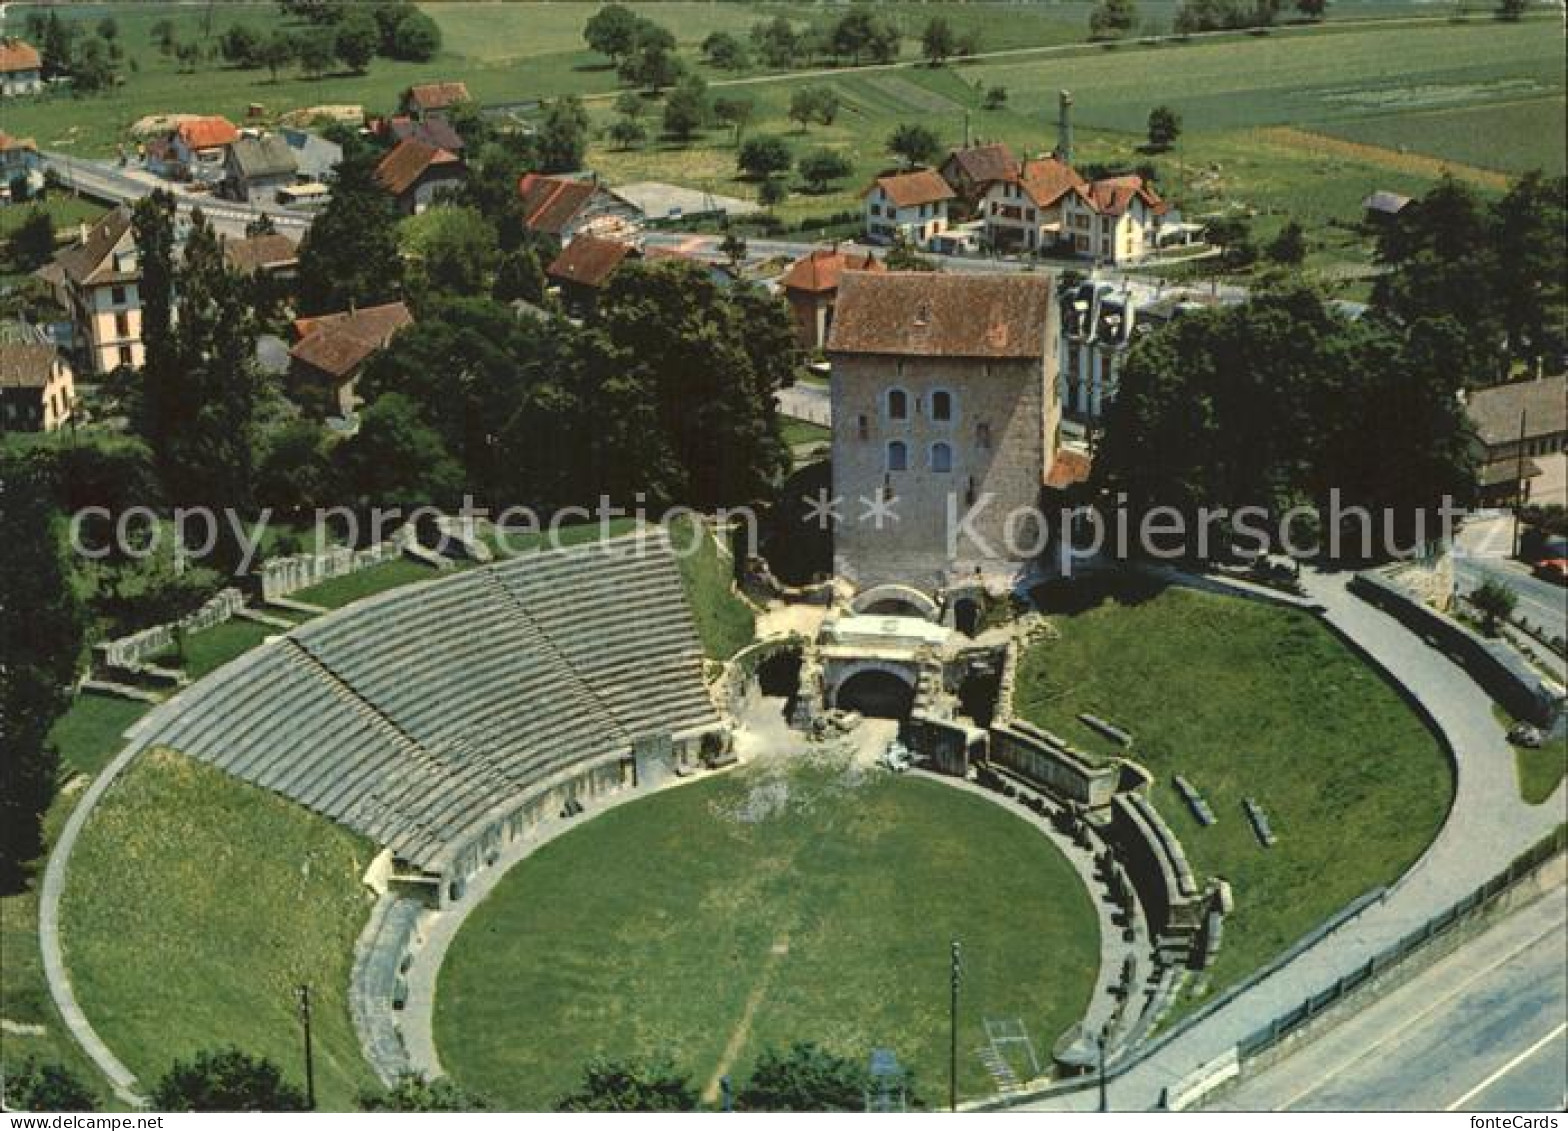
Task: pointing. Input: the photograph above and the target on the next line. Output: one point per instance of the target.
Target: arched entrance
(966, 616)
(778, 676)
(876, 693)
(895, 601)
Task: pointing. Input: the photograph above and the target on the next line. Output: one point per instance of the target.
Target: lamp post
(303, 993)
(1099, 1040)
(955, 977)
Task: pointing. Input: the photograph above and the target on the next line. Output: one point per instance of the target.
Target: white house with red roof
(911, 205)
(1048, 207)
(564, 207)
(21, 68)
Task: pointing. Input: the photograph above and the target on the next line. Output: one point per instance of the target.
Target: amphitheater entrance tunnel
(877, 694)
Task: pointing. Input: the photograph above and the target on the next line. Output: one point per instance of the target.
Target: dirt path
(742, 1031)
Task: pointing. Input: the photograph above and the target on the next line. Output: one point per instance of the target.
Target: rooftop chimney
(1064, 127)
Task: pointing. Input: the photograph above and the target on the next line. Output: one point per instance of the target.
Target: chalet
(331, 350)
(561, 208)
(97, 281)
(196, 149)
(584, 267)
(432, 99)
(257, 167)
(414, 173)
(1024, 212)
(973, 170)
(1522, 430)
(37, 392)
(811, 285)
(944, 404)
(21, 68)
(911, 206)
(21, 169)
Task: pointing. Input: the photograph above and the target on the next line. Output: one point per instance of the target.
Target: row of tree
(354, 36)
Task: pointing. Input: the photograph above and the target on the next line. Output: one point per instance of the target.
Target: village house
(21, 169)
(1522, 430)
(910, 206)
(944, 399)
(21, 69)
(434, 131)
(973, 170)
(432, 99)
(97, 281)
(270, 253)
(37, 390)
(584, 267)
(1382, 207)
(257, 167)
(1115, 220)
(194, 150)
(561, 208)
(1024, 212)
(414, 173)
(315, 158)
(330, 350)
(810, 287)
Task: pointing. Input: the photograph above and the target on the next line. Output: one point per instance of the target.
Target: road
(1541, 603)
(1484, 1029)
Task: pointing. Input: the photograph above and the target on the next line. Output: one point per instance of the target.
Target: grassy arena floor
(195, 904)
(671, 926)
(1249, 700)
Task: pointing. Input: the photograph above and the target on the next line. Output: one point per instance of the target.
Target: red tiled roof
(16, 55)
(1112, 196)
(909, 190)
(8, 143)
(1047, 180)
(88, 261)
(207, 133)
(433, 131)
(984, 164)
(932, 314)
(436, 95)
(409, 160)
(549, 203)
(819, 271)
(337, 344)
(589, 260)
(255, 253)
(1068, 468)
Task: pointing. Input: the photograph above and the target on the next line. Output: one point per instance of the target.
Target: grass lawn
(797, 432)
(725, 622)
(196, 904)
(340, 591)
(1513, 137)
(90, 733)
(211, 648)
(1540, 771)
(1248, 700)
(671, 926)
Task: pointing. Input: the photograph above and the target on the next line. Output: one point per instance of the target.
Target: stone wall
(945, 743)
(129, 652)
(1156, 865)
(282, 576)
(1038, 758)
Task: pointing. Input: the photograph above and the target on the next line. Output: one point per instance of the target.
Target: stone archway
(896, 600)
(874, 688)
(967, 616)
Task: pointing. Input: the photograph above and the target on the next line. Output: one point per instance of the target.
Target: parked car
(1554, 570)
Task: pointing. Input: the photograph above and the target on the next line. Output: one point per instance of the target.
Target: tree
(821, 167)
(1511, 10)
(610, 1085)
(650, 60)
(520, 276)
(1495, 602)
(1312, 9)
(315, 54)
(686, 109)
(93, 68)
(763, 157)
(917, 144)
(1528, 288)
(109, 29)
(1289, 247)
(937, 41)
(41, 640)
(818, 104)
(627, 133)
(775, 40)
(414, 1093)
(995, 97)
(733, 248)
(904, 256)
(449, 248)
(562, 140)
(163, 34)
(241, 45)
(416, 38)
(1113, 19)
(31, 1086)
(356, 41)
(735, 113)
(350, 253)
(32, 242)
(1164, 128)
(612, 31)
(630, 104)
(772, 193)
(277, 52)
(226, 1080)
(293, 469)
(863, 33)
(398, 459)
(723, 50)
(806, 1078)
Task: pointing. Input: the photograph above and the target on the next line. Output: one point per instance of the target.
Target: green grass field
(1540, 771)
(725, 622)
(194, 907)
(1248, 700)
(672, 927)
(90, 732)
(1512, 137)
(340, 591)
(210, 649)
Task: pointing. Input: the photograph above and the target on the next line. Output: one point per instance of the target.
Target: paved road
(1540, 602)
(1487, 827)
(1484, 1029)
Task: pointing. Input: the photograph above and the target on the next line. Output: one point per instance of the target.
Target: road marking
(1507, 1068)
(1361, 1054)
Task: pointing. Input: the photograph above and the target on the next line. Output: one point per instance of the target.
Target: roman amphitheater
(556, 803)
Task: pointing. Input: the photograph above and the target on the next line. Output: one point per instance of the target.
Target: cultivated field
(755, 909)
(1246, 700)
(196, 904)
